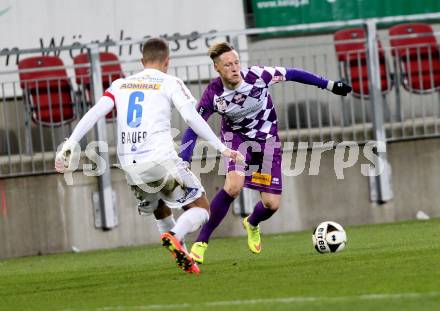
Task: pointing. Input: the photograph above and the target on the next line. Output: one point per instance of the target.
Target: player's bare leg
(234, 183)
(271, 203)
(162, 211)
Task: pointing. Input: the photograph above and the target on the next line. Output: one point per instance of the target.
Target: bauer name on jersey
(143, 103)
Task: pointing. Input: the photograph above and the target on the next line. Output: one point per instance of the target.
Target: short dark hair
(155, 50)
(218, 49)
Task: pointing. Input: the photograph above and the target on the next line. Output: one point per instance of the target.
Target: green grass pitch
(384, 267)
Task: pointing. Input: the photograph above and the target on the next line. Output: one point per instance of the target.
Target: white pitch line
(287, 300)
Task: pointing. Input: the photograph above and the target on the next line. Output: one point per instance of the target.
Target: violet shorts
(263, 159)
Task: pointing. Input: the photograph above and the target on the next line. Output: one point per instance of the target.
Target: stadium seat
(110, 69)
(351, 55)
(47, 90)
(416, 55)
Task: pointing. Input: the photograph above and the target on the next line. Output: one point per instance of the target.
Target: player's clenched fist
(63, 158)
(341, 88)
(234, 155)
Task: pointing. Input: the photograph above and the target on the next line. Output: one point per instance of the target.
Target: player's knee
(233, 189)
(162, 211)
(273, 204)
(234, 183)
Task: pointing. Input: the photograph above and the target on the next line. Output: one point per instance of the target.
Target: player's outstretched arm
(64, 156)
(189, 138)
(187, 145)
(184, 102)
(306, 77)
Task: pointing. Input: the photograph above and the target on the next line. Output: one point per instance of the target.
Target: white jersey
(144, 103)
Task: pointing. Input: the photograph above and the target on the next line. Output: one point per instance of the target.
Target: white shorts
(171, 181)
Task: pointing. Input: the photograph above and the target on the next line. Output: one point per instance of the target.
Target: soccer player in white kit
(145, 145)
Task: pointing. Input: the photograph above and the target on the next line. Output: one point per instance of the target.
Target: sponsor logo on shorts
(261, 179)
(276, 181)
(189, 193)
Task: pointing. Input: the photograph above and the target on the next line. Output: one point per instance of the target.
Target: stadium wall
(41, 214)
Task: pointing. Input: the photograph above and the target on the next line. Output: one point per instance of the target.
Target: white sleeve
(199, 125)
(99, 110)
(180, 95)
(185, 104)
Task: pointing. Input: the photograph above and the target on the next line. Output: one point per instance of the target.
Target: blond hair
(218, 49)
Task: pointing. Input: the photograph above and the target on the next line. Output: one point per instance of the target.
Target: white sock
(190, 221)
(165, 224)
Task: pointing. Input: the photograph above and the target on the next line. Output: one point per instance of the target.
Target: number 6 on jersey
(134, 113)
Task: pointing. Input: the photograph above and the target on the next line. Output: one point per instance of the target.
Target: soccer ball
(329, 237)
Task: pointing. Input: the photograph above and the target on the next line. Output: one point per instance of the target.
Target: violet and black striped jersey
(248, 110)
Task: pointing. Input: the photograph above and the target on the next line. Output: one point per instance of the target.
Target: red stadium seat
(47, 90)
(351, 54)
(416, 54)
(110, 68)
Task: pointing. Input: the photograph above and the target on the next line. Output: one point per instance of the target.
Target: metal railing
(305, 113)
